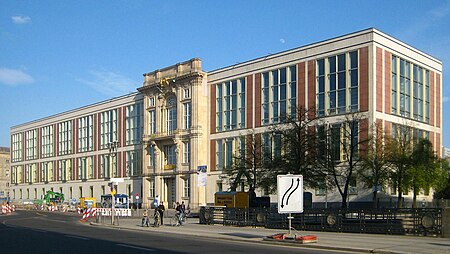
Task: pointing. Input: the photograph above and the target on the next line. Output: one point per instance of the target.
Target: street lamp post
(112, 153)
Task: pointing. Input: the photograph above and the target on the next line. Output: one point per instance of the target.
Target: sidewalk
(326, 240)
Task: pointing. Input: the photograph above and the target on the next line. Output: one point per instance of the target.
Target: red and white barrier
(89, 213)
(7, 209)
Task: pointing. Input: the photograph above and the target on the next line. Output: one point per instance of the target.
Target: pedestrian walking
(161, 209)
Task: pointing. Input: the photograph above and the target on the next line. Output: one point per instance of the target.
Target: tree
(343, 145)
(399, 149)
(424, 168)
(246, 163)
(375, 169)
(293, 149)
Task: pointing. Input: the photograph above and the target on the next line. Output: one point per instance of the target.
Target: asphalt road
(43, 232)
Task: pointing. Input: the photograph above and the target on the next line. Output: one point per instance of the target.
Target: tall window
(415, 78)
(85, 133)
(170, 154)
(230, 105)
(171, 114)
(405, 88)
(133, 163)
(278, 95)
(394, 85)
(187, 111)
(108, 166)
(293, 91)
(65, 138)
(186, 187)
(65, 170)
(31, 173)
(108, 127)
(219, 155)
(134, 119)
(152, 121)
(47, 141)
(47, 174)
(16, 152)
(31, 138)
(340, 86)
(86, 168)
(186, 152)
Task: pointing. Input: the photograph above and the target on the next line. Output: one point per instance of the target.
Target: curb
(263, 240)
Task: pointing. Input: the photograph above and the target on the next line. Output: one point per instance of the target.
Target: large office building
(174, 137)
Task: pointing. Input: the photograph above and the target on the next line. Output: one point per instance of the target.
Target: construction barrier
(8, 209)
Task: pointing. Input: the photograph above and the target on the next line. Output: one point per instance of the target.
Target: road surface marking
(40, 230)
(135, 247)
(77, 237)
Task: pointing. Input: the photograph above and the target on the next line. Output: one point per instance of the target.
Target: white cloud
(20, 20)
(110, 83)
(282, 41)
(14, 77)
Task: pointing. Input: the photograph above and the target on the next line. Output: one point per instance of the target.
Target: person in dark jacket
(161, 209)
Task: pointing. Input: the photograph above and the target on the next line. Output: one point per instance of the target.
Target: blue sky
(60, 55)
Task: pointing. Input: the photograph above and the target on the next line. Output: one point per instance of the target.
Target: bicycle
(157, 219)
(176, 221)
(145, 222)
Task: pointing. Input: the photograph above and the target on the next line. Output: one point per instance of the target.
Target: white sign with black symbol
(290, 193)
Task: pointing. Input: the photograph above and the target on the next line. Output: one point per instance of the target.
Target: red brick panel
(432, 98)
(98, 133)
(301, 85)
(438, 100)
(39, 143)
(212, 155)
(312, 86)
(213, 109)
(74, 164)
(124, 165)
(387, 82)
(387, 128)
(363, 135)
(99, 163)
(96, 166)
(23, 145)
(379, 77)
(119, 164)
(364, 79)
(249, 99)
(257, 99)
(433, 142)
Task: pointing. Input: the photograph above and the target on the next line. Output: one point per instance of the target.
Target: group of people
(180, 209)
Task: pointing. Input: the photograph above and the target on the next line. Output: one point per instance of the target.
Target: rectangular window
(86, 168)
(170, 155)
(230, 105)
(108, 127)
(341, 85)
(133, 163)
(187, 111)
(108, 166)
(86, 133)
(186, 152)
(31, 139)
(151, 101)
(134, 124)
(186, 93)
(65, 170)
(65, 138)
(186, 187)
(293, 92)
(265, 98)
(47, 141)
(151, 193)
(219, 155)
(16, 152)
(405, 89)
(152, 121)
(321, 87)
(427, 96)
(394, 84)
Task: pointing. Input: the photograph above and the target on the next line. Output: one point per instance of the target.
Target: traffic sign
(290, 193)
(74, 201)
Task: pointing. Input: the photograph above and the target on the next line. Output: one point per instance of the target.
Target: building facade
(69, 152)
(178, 133)
(4, 173)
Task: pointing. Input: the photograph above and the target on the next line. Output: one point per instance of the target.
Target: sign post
(290, 195)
